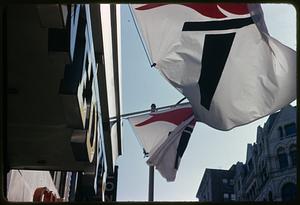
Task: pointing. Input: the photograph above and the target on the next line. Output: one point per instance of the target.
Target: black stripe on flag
(217, 25)
(215, 53)
(183, 142)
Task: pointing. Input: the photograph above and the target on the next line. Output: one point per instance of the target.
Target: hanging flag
(221, 57)
(153, 128)
(164, 136)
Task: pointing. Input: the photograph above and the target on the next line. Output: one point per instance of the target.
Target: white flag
(221, 57)
(164, 135)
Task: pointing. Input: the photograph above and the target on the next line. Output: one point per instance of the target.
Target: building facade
(62, 64)
(270, 170)
(217, 185)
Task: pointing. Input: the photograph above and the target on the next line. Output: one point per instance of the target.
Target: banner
(221, 57)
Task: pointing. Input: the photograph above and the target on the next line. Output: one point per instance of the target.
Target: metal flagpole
(149, 110)
(151, 170)
(151, 184)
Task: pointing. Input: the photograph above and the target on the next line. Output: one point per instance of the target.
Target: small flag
(153, 128)
(164, 136)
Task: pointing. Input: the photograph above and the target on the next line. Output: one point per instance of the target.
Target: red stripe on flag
(208, 9)
(175, 116)
(239, 9)
(149, 6)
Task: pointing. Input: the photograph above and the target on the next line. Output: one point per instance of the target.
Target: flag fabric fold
(166, 157)
(164, 136)
(221, 57)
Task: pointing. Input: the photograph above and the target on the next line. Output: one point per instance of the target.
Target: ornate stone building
(269, 173)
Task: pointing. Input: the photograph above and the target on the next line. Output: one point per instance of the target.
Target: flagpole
(151, 183)
(149, 110)
(151, 171)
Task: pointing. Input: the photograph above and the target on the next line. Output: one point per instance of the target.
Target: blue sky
(208, 148)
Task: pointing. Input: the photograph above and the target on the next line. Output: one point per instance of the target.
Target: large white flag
(221, 57)
(164, 136)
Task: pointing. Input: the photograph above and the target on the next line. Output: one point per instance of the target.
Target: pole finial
(153, 107)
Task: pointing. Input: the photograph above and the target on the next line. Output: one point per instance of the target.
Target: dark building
(270, 170)
(62, 72)
(217, 185)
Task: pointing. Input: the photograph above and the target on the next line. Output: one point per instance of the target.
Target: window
(226, 196)
(233, 198)
(231, 182)
(264, 174)
(290, 129)
(288, 192)
(250, 165)
(225, 181)
(252, 192)
(261, 147)
(260, 166)
(293, 155)
(270, 196)
(255, 189)
(282, 157)
(280, 132)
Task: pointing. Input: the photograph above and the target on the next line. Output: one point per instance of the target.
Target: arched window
(288, 192)
(250, 165)
(270, 196)
(282, 157)
(263, 171)
(280, 132)
(293, 154)
(290, 129)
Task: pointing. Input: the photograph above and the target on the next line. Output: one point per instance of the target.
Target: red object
(43, 194)
(208, 9)
(174, 116)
